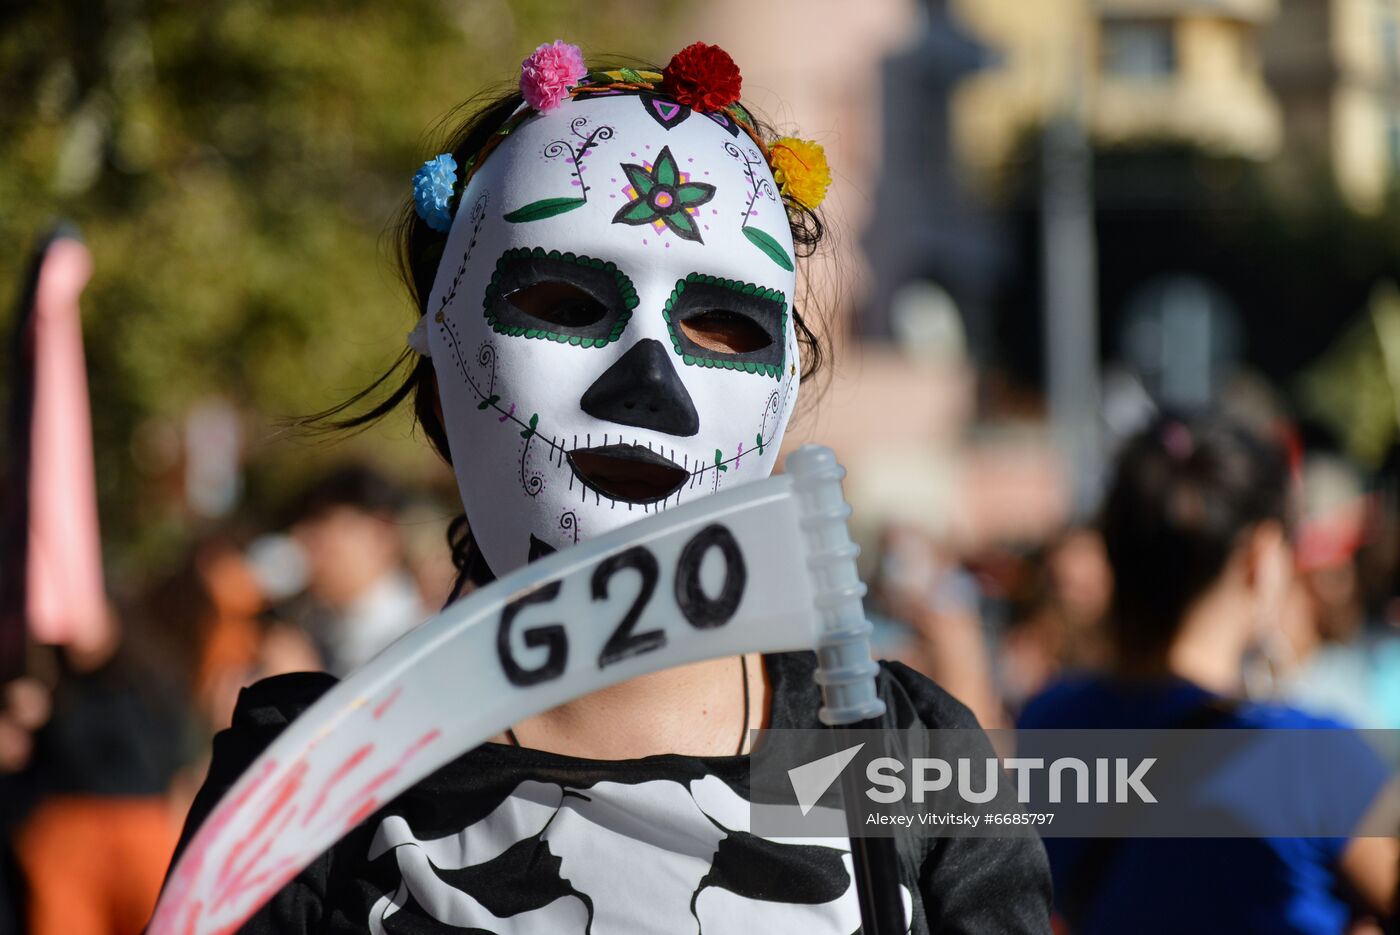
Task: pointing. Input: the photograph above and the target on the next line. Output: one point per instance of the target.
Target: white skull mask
(611, 325)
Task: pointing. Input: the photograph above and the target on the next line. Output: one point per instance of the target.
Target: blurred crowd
(997, 625)
(1238, 573)
(101, 751)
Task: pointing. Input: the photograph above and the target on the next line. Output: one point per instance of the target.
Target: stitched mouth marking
(627, 473)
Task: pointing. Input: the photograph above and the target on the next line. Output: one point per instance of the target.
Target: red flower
(703, 77)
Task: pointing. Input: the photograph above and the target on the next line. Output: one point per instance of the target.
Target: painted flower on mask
(702, 77)
(548, 74)
(800, 169)
(663, 197)
(433, 188)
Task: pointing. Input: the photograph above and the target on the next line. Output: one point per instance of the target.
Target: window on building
(1139, 49)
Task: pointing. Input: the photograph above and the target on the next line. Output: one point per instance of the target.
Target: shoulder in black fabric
(796, 697)
(918, 699)
(274, 702)
(913, 699)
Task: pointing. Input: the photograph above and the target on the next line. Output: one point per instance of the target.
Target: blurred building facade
(1135, 69)
(1316, 82)
(1334, 66)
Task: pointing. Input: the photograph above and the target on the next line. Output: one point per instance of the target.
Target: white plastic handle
(766, 567)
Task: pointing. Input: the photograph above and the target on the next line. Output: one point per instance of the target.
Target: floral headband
(701, 77)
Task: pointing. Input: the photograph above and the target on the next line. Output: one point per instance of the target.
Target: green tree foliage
(234, 164)
(1355, 385)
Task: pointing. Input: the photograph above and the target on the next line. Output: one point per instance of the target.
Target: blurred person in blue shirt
(1196, 525)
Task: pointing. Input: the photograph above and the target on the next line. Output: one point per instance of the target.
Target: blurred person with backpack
(1196, 527)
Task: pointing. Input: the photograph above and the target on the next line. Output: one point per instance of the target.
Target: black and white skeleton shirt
(512, 841)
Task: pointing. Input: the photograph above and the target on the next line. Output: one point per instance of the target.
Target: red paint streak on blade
(192, 864)
(236, 886)
(267, 883)
(419, 744)
(354, 804)
(341, 771)
(225, 811)
(192, 919)
(256, 783)
(387, 702)
(365, 810)
(286, 789)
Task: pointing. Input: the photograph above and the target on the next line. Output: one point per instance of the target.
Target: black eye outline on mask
(765, 308)
(521, 268)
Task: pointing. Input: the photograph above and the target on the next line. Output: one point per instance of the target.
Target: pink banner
(66, 602)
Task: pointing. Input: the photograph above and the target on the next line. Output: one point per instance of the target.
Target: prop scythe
(553, 631)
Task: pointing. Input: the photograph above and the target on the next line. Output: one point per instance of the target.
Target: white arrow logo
(811, 780)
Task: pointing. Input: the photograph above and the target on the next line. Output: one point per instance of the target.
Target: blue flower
(433, 188)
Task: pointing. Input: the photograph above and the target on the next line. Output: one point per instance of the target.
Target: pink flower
(548, 74)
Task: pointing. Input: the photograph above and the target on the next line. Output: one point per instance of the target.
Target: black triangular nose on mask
(644, 390)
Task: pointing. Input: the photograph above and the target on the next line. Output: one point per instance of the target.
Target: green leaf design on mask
(694, 193)
(641, 179)
(635, 212)
(681, 223)
(665, 168)
(545, 208)
(768, 245)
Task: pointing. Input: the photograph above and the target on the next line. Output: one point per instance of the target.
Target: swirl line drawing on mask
(550, 207)
(761, 185)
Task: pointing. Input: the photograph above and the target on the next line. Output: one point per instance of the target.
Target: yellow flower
(800, 169)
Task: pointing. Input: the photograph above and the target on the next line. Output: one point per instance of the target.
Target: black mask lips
(627, 473)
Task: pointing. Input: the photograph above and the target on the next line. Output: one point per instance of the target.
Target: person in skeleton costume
(604, 264)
